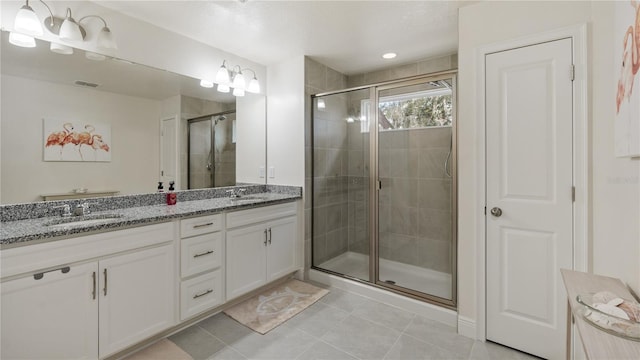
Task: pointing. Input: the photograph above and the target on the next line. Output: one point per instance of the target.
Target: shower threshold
(407, 276)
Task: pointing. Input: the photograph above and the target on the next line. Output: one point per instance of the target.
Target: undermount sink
(83, 220)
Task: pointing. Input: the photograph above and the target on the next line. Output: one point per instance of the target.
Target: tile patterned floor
(342, 325)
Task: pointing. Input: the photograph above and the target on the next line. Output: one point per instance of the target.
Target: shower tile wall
(330, 193)
(415, 200)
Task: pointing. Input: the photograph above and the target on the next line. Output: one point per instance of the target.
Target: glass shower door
(200, 154)
(340, 185)
(416, 245)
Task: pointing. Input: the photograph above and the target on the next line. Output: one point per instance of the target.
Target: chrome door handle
(496, 211)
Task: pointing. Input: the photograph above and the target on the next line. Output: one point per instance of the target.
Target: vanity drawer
(200, 253)
(266, 213)
(200, 225)
(200, 294)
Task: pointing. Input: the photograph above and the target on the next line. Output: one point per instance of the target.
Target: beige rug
(266, 311)
(162, 350)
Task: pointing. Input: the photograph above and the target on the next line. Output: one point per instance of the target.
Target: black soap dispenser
(160, 187)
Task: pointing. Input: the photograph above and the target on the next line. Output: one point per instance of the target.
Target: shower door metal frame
(213, 143)
(374, 266)
(374, 186)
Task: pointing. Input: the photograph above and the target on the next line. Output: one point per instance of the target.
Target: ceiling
(349, 36)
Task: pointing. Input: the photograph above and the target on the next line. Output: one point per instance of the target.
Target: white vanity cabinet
(261, 246)
(87, 297)
(52, 317)
(201, 264)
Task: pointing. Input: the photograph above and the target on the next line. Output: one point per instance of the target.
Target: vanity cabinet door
(136, 297)
(281, 250)
(53, 317)
(246, 259)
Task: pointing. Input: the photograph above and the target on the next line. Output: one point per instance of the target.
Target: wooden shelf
(74, 195)
(597, 343)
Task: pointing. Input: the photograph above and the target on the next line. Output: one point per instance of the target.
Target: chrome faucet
(236, 193)
(66, 210)
(82, 209)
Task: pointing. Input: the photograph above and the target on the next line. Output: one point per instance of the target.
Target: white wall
(134, 132)
(285, 122)
(614, 193)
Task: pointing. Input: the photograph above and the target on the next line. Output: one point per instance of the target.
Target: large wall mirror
(131, 126)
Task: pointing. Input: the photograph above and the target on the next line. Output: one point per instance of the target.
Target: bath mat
(164, 349)
(273, 307)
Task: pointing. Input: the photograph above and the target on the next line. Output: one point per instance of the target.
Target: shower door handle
(496, 211)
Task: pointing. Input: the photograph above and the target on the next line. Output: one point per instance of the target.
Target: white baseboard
(421, 308)
(467, 327)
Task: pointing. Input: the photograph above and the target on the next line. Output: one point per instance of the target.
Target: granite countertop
(28, 231)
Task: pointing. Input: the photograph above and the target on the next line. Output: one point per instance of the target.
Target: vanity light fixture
(27, 25)
(227, 79)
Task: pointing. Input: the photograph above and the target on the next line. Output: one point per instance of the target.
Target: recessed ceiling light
(389, 55)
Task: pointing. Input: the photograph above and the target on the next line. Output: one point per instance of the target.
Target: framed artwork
(76, 141)
(627, 63)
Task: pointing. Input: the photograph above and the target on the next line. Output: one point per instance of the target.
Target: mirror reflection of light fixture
(321, 104)
(27, 25)
(22, 40)
(206, 83)
(60, 48)
(227, 79)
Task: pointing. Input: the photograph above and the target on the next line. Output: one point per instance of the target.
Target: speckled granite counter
(34, 229)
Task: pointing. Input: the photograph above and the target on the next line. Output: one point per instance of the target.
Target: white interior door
(529, 100)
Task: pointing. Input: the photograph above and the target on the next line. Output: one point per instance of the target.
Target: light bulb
(239, 82)
(206, 83)
(223, 88)
(238, 92)
(61, 49)
(321, 104)
(22, 40)
(27, 22)
(106, 41)
(222, 76)
(254, 86)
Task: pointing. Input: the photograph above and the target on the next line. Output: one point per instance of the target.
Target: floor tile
(439, 334)
(197, 342)
(489, 351)
(227, 353)
(283, 342)
(343, 300)
(384, 314)
(362, 338)
(408, 347)
(323, 351)
(225, 328)
(318, 318)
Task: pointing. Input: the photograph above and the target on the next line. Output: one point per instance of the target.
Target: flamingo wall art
(76, 141)
(627, 63)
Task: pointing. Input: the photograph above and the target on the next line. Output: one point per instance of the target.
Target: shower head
(220, 118)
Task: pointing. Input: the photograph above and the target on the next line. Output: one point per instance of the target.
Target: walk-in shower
(384, 180)
(212, 151)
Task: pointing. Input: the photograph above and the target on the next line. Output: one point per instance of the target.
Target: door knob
(496, 211)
